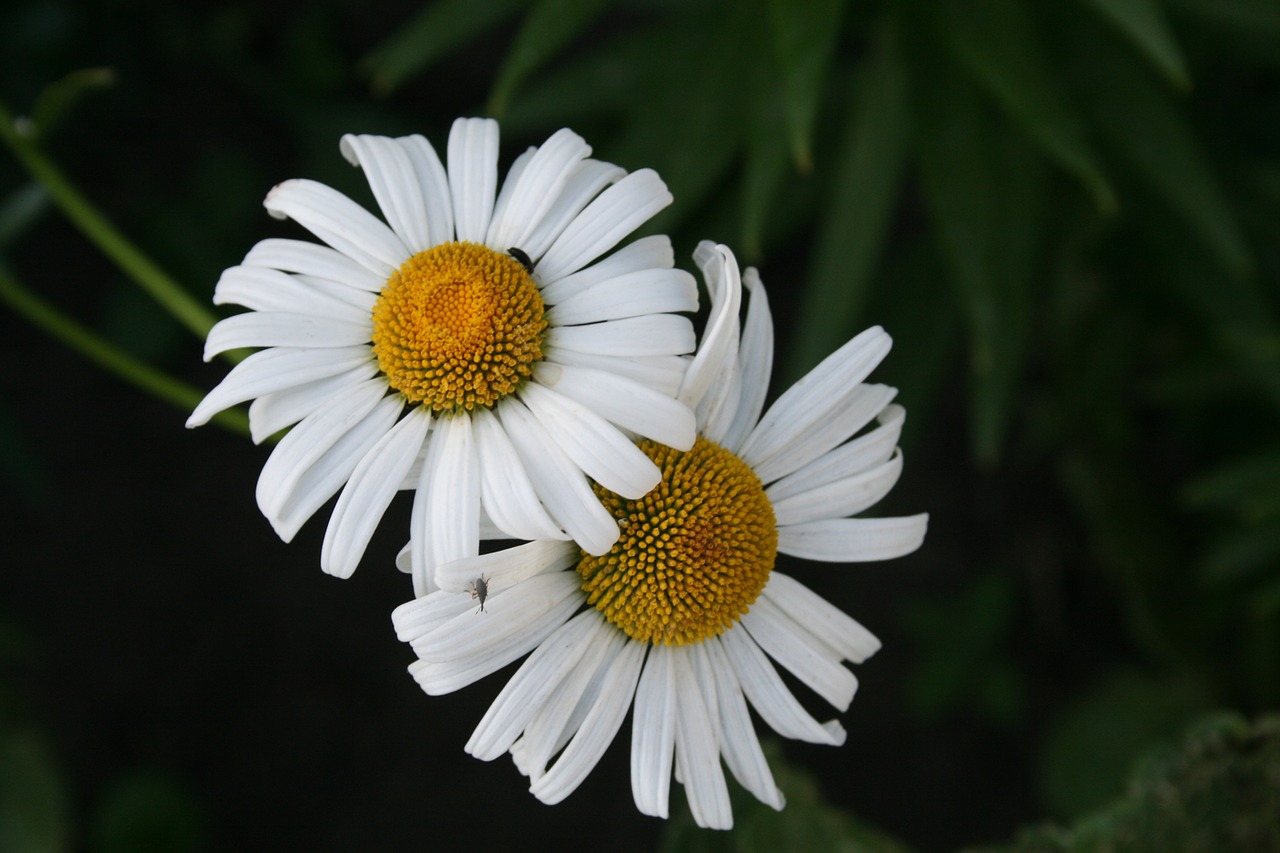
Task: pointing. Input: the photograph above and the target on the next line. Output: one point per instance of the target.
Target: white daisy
(683, 614)
(468, 348)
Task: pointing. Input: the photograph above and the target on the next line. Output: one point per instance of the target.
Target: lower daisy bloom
(682, 615)
(472, 347)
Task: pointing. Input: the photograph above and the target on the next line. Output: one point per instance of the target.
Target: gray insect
(480, 590)
(523, 257)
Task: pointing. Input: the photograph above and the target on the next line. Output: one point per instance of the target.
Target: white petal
(507, 188)
(473, 175)
(661, 373)
(714, 367)
(645, 254)
(822, 618)
(473, 645)
(434, 184)
(509, 613)
(628, 404)
(653, 291)
(816, 404)
(445, 522)
(264, 289)
(586, 181)
(614, 214)
(310, 440)
(359, 303)
(698, 750)
(738, 740)
(531, 686)
(557, 720)
(770, 697)
(598, 448)
(847, 460)
(854, 540)
(849, 496)
(340, 222)
(793, 647)
(509, 566)
(419, 617)
(653, 734)
(277, 329)
(273, 370)
(394, 183)
(537, 188)
(506, 491)
(299, 256)
(560, 484)
(597, 730)
(369, 492)
(328, 474)
(271, 413)
(656, 334)
(755, 362)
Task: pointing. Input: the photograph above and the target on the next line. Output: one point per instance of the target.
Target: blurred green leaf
(702, 60)
(1140, 119)
(1095, 741)
(546, 29)
(864, 194)
(21, 209)
(34, 812)
(1251, 484)
(1143, 23)
(148, 813)
(1242, 554)
(58, 99)
(996, 42)
(435, 32)
(804, 41)
(982, 188)
(765, 165)
(1255, 18)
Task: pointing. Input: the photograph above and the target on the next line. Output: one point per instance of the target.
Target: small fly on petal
(480, 590)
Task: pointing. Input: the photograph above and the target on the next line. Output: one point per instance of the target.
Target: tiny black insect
(522, 256)
(480, 590)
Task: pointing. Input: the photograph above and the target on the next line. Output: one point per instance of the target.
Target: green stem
(111, 358)
(103, 234)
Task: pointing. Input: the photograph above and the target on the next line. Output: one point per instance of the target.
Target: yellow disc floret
(694, 553)
(458, 326)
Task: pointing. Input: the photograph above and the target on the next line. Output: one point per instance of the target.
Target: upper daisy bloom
(471, 347)
(682, 615)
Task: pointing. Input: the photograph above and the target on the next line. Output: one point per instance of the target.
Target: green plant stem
(172, 297)
(110, 357)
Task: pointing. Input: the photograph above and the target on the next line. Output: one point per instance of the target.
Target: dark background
(1089, 356)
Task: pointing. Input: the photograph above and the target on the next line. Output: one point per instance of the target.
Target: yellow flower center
(458, 326)
(694, 553)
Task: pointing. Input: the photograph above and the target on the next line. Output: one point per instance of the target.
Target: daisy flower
(472, 347)
(682, 615)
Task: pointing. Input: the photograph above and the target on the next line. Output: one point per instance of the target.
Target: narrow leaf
(546, 29)
(1140, 120)
(804, 41)
(436, 31)
(855, 221)
(996, 43)
(1143, 23)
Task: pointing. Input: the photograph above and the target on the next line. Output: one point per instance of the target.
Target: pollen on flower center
(694, 553)
(458, 326)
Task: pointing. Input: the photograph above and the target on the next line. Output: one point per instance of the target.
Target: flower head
(472, 347)
(682, 615)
